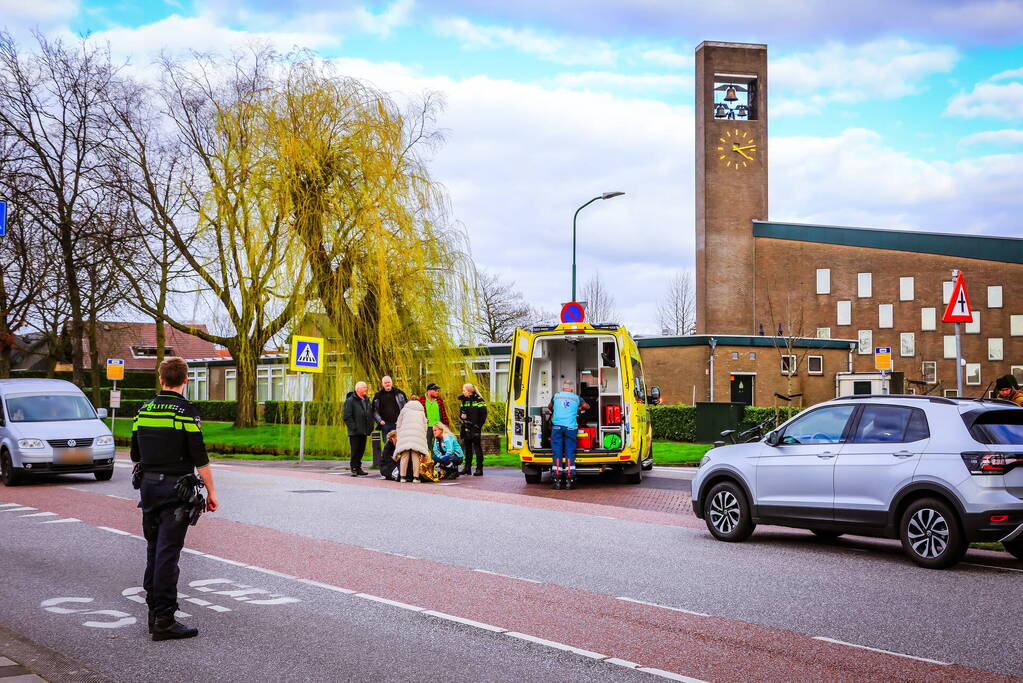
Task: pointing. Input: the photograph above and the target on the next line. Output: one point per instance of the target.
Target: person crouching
(447, 453)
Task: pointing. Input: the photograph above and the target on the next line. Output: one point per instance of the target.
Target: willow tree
(217, 202)
(386, 265)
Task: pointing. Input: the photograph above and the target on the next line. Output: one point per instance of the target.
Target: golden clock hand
(737, 147)
(747, 156)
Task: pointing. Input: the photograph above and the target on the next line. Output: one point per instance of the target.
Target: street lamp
(605, 195)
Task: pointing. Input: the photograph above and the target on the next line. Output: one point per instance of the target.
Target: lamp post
(604, 195)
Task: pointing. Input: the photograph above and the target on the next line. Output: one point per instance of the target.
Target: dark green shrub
(496, 417)
(675, 423)
(290, 412)
(753, 415)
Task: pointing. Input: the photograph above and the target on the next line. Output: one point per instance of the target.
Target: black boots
(166, 628)
(478, 472)
(569, 483)
(152, 620)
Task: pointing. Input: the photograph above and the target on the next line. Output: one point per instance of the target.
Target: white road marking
(198, 601)
(110, 495)
(668, 674)
(467, 622)
(125, 465)
(10, 505)
(271, 572)
(40, 514)
(506, 576)
(327, 586)
(887, 652)
(392, 603)
(223, 559)
(51, 605)
(192, 552)
(622, 662)
(24, 508)
(115, 531)
(123, 619)
(654, 604)
(556, 645)
(218, 608)
(606, 517)
(63, 521)
(993, 566)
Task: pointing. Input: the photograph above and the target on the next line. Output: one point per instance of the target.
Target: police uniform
(166, 438)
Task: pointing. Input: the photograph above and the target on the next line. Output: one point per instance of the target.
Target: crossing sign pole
(958, 311)
(883, 362)
(306, 356)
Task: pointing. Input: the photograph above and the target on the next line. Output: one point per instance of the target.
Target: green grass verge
(326, 443)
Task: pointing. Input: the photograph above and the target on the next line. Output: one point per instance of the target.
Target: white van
(48, 426)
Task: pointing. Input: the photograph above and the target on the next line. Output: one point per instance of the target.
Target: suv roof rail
(919, 397)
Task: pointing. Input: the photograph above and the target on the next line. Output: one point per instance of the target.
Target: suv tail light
(979, 462)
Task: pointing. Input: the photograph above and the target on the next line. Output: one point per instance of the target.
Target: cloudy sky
(883, 113)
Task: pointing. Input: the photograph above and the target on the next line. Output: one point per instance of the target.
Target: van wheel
(9, 474)
(532, 475)
(727, 513)
(931, 534)
(104, 475)
(633, 477)
(1015, 547)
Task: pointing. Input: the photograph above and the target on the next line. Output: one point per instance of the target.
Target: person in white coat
(412, 446)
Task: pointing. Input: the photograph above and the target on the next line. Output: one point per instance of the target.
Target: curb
(44, 663)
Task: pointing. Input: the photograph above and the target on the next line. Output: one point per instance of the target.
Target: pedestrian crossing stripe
(306, 354)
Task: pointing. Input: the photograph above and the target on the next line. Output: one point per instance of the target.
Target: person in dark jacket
(358, 414)
(473, 415)
(387, 462)
(387, 404)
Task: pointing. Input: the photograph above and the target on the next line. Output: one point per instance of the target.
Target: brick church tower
(731, 182)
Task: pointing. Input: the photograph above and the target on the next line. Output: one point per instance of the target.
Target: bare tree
(600, 303)
(49, 101)
(787, 328)
(676, 313)
(23, 263)
(501, 309)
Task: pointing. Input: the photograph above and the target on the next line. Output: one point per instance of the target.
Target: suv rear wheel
(1015, 546)
(728, 514)
(931, 534)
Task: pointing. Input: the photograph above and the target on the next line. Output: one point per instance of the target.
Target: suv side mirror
(101, 413)
(774, 438)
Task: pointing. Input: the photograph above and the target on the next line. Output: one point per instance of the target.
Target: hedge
(678, 422)
(316, 412)
(217, 411)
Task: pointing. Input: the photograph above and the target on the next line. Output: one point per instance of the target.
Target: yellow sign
(115, 368)
(306, 354)
(883, 358)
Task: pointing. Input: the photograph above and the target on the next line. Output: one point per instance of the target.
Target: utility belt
(161, 476)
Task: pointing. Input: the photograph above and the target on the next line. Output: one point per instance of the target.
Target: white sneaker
(415, 480)
(384, 477)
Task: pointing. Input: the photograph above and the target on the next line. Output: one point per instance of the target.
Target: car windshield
(49, 408)
(999, 427)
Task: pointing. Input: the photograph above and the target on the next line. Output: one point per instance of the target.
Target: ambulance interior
(592, 363)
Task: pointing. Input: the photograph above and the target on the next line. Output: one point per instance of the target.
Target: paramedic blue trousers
(563, 444)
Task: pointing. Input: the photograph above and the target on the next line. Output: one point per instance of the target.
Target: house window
(929, 371)
(973, 374)
(995, 349)
(974, 327)
(752, 355)
(150, 351)
(1016, 325)
(884, 316)
(270, 383)
(994, 296)
(844, 313)
(906, 289)
(907, 344)
(197, 386)
(864, 285)
(824, 333)
(788, 364)
(950, 393)
(735, 355)
(866, 338)
(928, 319)
(946, 291)
(824, 281)
(230, 385)
(950, 346)
(815, 365)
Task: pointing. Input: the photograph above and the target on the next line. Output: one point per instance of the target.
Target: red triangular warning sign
(958, 309)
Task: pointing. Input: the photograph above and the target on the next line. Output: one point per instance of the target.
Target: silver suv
(936, 473)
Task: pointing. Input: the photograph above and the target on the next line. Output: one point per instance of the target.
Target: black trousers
(164, 539)
(387, 461)
(358, 444)
(472, 442)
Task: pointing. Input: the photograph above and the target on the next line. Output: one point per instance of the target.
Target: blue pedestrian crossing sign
(3, 218)
(306, 354)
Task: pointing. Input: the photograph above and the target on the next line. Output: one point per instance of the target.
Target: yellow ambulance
(603, 362)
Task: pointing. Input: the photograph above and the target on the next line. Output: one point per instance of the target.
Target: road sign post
(573, 312)
(306, 355)
(3, 218)
(883, 363)
(958, 311)
(115, 371)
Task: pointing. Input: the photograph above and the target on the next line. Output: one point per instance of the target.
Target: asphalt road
(324, 550)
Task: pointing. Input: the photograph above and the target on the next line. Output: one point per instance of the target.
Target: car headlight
(105, 441)
(29, 444)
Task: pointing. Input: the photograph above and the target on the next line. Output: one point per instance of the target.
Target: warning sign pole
(959, 345)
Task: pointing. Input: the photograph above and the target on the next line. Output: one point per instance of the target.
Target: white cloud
(627, 82)
(669, 58)
(555, 49)
(309, 16)
(837, 73)
(16, 14)
(1008, 136)
(989, 100)
(1010, 75)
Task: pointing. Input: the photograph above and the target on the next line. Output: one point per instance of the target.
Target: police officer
(167, 440)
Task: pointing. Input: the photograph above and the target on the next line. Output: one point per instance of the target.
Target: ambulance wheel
(532, 475)
(633, 477)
